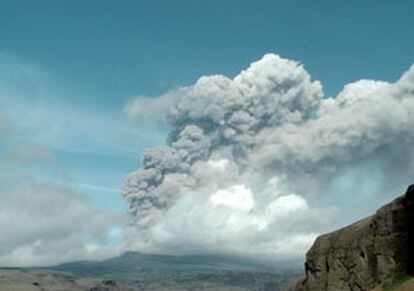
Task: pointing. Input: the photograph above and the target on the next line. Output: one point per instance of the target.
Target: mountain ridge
(139, 271)
(161, 272)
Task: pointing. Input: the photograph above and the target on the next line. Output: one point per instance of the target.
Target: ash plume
(251, 161)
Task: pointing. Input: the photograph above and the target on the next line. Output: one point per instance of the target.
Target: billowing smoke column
(245, 155)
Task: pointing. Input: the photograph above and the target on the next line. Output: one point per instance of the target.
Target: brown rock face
(377, 250)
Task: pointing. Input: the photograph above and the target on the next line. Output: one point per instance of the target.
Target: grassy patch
(405, 283)
(400, 285)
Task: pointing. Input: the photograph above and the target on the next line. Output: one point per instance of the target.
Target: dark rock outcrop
(375, 251)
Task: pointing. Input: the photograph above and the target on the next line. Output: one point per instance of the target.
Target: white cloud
(43, 224)
(237, 196)
(232, 224)
(151, 109)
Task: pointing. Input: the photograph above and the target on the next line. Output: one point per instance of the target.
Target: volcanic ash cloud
(250, 160)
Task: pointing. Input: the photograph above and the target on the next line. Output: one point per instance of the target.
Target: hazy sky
(68, 69)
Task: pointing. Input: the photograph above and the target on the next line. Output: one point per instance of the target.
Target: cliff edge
(375, 252)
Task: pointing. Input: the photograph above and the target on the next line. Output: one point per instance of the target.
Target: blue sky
(108, 51)
(69, 67)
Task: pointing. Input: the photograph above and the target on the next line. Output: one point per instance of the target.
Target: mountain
(374, 253)
(137, 271)
(162, 272)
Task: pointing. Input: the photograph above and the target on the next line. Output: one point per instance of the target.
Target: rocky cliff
(372, 253)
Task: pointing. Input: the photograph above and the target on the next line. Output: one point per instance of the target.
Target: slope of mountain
(136, 271)
(160, 272)
(376, 252)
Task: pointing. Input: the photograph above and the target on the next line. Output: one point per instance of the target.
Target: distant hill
(137, 271)
(162, 272)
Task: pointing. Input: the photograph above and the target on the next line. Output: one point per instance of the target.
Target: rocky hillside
(374, 253)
